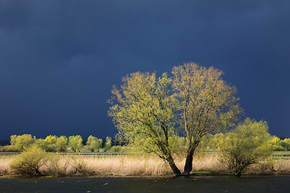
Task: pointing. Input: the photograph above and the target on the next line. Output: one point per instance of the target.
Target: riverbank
(132, 165)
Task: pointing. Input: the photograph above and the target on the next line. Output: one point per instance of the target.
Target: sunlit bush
(285, 145)
(29, 162)
(245, 145)
(61, 143)
(75, 142)
(7, 148)
(277, 148)
(21, 142)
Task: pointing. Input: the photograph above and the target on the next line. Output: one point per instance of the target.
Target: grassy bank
(133, 165)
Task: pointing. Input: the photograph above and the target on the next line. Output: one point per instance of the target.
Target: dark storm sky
(59, 59)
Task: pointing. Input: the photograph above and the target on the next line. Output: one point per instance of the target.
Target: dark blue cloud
(59, 59)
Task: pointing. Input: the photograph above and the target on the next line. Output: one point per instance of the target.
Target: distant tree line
(53, 143)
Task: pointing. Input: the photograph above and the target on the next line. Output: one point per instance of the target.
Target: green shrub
(277, 148)
(108, 143)
(116, 148)
(41, 143)
(93, 143)
(29, 162)
(285, 145)
(8, 148)
(22, 142)
(246, 145)
(75, 142)
(61, 143)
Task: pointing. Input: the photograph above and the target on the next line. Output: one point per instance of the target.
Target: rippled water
(255, 184)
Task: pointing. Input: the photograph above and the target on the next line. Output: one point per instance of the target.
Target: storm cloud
(59, 59)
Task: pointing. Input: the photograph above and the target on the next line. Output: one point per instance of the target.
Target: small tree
(245, 145)
(94, 143)
(21, 142)
(75, 142)
(108, 143)
(41, 143)
(51, 140)
(61, 143)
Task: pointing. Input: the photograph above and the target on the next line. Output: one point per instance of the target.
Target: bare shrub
(78, 165)
(57, 165)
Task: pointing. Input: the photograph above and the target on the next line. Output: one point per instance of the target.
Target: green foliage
(61, 143)
(21, 142)
(29, 162)
(277, 148)
(275, 140)
(7, 148)
(245, 145)
(285, 145)
(75, 142)
(147, 110)
(116, 148)
(41, 143)
(207, 104)
(144, 113)
(51, 140)
(108, 143)
(215, 141)
(13, 140)
(278, 144)
(93, 143)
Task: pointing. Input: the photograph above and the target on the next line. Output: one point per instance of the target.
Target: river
(216, 184)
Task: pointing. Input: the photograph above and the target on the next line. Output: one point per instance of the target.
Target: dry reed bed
(4, 164)
(130, 165)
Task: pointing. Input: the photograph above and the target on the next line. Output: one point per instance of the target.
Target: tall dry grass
(4, 165)
(282, 166)
(120, 165)
(127, 165)
(208, 162)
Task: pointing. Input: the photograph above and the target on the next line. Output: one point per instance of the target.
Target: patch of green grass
(6, 176)
(281, 153)
(205, 171)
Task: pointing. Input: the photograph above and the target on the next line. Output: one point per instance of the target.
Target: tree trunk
(238, 174)
(188, 163)
(175, 169)
(173, 166)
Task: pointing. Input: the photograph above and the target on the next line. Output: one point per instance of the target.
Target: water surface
(252, 184)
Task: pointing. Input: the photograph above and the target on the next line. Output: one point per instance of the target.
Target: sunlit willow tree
(75, 142)
(148, 110)
(144, 112)
(207, 104)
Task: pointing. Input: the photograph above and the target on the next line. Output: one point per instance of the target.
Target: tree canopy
(144, 112)
(152, 111)
(207, 104)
